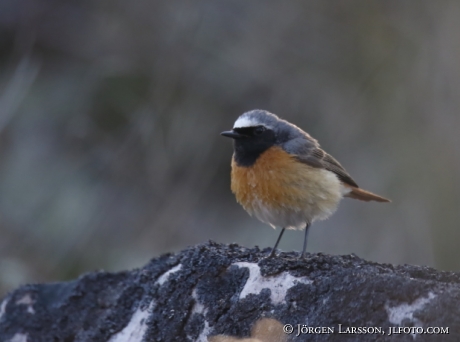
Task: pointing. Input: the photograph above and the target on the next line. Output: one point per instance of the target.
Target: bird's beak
(232, 134)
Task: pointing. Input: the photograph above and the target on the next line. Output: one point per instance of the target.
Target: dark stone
(205, 292)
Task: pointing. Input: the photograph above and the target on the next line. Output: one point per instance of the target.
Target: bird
(280, 174)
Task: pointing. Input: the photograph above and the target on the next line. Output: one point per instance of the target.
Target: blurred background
(110, 114)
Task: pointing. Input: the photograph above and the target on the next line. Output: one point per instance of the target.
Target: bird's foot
(272, 254)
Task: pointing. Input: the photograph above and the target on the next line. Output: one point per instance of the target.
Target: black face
(250, 143)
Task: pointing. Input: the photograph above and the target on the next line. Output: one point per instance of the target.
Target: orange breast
(278, 183)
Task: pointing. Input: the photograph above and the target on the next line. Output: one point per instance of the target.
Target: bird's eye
(259, 130)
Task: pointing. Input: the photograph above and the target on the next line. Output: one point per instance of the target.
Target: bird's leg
(305, 240)
(272, 253)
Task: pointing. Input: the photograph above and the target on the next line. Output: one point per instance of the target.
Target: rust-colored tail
(364, 195)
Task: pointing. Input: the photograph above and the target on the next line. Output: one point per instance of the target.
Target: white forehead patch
(245, 121)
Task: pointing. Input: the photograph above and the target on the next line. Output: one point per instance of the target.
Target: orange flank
(277, 185)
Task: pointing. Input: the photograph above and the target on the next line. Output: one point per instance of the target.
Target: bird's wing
(318, 158)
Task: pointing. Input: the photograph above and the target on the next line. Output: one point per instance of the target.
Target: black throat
(247, 150)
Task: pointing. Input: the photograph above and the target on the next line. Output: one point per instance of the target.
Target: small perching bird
(282, 176)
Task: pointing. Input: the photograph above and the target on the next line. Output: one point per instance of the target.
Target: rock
(231, 293)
